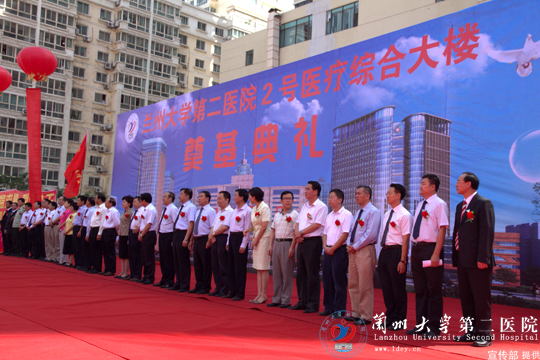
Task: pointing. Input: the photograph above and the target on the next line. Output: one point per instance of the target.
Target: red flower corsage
(425, 214)
(238, 218)
(221, 218)
(97, 212)
(309, 216)
(136, 217)
(127, 216)
(182, 214)
(203, 218)
(361, 222)
(337, 223)
(257, 214)
(142, 216)
(165, 217)
(393, 224)
(288, 219)
(470, 216)
(106, 217)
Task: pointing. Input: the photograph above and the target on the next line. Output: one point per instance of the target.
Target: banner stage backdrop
(454, 94)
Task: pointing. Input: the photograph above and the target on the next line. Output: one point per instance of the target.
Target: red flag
(33, 117)
(73, 172)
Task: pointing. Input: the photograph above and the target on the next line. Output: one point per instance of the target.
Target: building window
(50, 155)
(201, 26)
(201, 45)
(236, 33)
(128, 102)
(215, 68)
(69, 157)
(83, 30)
(83, 8)
(103, 57)
(295, 32)
(93, 181)
(181, 77)
(80, 51)
(19, 31)
(214, 83)
(182, 58)
(342, 18)
(104, 36)
(197, 81)
(76, 114)
(184, 20)
(101, 77)
(199, 63)
(105, 15)
(99, 119)
(79, 72)
(100, 98)
(249, 57)
(77, 93)
(49, 178)
(74, 136)
(13, 126)
(95, 160)
(11, 171)
(52, 109)
(12, 150)
(220, 32)
(96, 140)
(217, 50)
(183, 40)
(51, 132)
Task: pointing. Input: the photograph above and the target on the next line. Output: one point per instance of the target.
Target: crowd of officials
(82, 233)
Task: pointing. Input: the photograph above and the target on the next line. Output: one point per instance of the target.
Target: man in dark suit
(472, 254)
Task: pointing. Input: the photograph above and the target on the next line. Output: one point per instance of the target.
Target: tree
(531, 275)
(14, 182)
(536, 201)
(505, 276)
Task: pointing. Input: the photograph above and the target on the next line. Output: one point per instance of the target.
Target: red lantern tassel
(33, 117)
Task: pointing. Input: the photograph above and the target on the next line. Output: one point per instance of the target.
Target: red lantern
(38, 63)
(5, 79)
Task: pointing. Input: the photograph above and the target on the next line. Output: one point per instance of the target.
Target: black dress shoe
(135, 279)
(174, 288)
(117, 277)
(202, 292)
(193, 291)
(220, 295)
(283, 306)
(158, 284)
(309, 311)
(324, 313)
(230, 296)
(108, 273)
(93, 272)
(273, 304)
(100, 273)
(166, 286)
(236, 298)
(213, 293)
(297, 307)
(463, 338)
(147, 282)
(183, 290)
(481, 343)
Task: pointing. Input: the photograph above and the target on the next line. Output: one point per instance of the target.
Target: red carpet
(52, 312)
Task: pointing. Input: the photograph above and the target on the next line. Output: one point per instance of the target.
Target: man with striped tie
(472, 254)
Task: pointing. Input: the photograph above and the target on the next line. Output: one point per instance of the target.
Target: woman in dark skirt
(125, 220)
(68, 234)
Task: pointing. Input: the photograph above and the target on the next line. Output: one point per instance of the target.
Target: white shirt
(149, 216)
(223, 217)
(61, 209)
(367, 230)
(313, 214)
(435, 215)
(38, 215)
(47, 217)
(240, 221)
(136, 219)
(87, 217)
(78, 221)
(25, 218)
(337, 223)
(208, 216)
(97, 216)
(53, 215)
(284, 229)
(185, 215)
(400, 225)
(167, 219)
(111, 220)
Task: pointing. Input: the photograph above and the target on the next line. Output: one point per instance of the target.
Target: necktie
(462, 212)
(355, 226)
(416, 231)
(383, 242)
(160, 220)
(196, 228)
(178, 216)
(130, 221)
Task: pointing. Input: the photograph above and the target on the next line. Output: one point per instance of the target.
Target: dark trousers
(8, 243)
(220, 264)
(475, 296)
(147, 254)
(41, 242)
(182, 264)
(134, 253)
(77, 246)
(25, 242)
(16, 238)
(108, 240)
(35, 234)
(166, 258)
(237, 266)
(95, 249)
(85, 252)
(202, 262)
(335, 280)
(428, 287)
(393, 285)
(308, 283)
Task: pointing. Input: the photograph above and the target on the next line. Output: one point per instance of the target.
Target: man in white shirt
(147, 237)
(392, 266)
(282, 251)
(23, 229)
(78, 239)
(95, 244)
(308, 235)
(134, 246)
(107, 235)
(363, 256)
(202, 257)
(336, 232)
(165, 230)
(183, 227)
(34, 228)
(430, 224)
(217, 242)
(50, 233)
(236, 246)
(85, 232)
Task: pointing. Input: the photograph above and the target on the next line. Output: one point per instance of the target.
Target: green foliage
(14, 182)
(515, 301)
(530, 276)
(505, 276)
